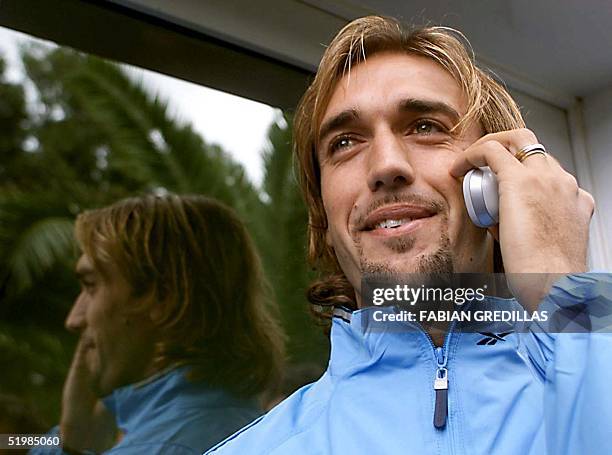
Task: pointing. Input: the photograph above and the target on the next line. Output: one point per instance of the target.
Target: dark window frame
(125, 35)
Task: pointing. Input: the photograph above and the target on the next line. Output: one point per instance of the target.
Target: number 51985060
(27, 441)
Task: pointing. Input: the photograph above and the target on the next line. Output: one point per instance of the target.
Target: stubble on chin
(440, 261)
(400, 245)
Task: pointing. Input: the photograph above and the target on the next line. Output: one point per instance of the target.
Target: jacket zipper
(441, 390)
(440, 383)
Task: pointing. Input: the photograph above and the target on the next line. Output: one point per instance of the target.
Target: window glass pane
(81, 133)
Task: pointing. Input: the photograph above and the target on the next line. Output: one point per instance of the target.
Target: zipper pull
(441, 388)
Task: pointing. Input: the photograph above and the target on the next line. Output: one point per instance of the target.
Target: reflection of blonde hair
(194, 256)
(488, 103)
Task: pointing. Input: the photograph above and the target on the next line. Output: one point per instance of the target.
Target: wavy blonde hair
(488, 103)
(194, 256)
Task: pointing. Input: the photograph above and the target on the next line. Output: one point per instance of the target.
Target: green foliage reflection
(80, 133)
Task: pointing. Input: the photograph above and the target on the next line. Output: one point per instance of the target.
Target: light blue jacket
(168, 415)
(515, 394)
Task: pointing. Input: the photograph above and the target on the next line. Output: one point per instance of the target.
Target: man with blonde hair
(177, 332)
(383, 136)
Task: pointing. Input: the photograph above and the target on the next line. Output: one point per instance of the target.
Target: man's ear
(154, 310)
(155, 313)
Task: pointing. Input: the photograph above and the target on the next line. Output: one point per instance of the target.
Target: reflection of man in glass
(175, 329)
(383, 135)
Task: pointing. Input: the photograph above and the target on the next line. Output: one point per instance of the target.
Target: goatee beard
(429, 270)
(439, 262)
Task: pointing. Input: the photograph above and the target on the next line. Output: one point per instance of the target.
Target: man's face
(385, 150)
(118, 346)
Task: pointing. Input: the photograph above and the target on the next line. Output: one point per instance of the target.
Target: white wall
(549, 123)
(597, 124)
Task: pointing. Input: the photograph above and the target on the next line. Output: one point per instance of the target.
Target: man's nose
(75, 321)
(389, 166)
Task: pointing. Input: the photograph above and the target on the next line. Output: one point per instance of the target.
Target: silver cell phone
(481, 196)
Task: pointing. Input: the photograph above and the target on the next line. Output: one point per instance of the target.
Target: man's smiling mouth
(396, 219)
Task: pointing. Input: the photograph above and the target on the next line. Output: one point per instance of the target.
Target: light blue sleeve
(572, 354)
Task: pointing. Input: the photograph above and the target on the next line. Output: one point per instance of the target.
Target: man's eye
(427, 127)
(341, 143)
(87, 285)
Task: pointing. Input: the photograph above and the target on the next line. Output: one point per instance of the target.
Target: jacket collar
(136, 403)
(359, 342)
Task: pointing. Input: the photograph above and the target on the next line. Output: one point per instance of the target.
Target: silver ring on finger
(529, 150)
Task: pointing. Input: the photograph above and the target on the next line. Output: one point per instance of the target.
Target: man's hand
(85, 422)
(543, 215)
